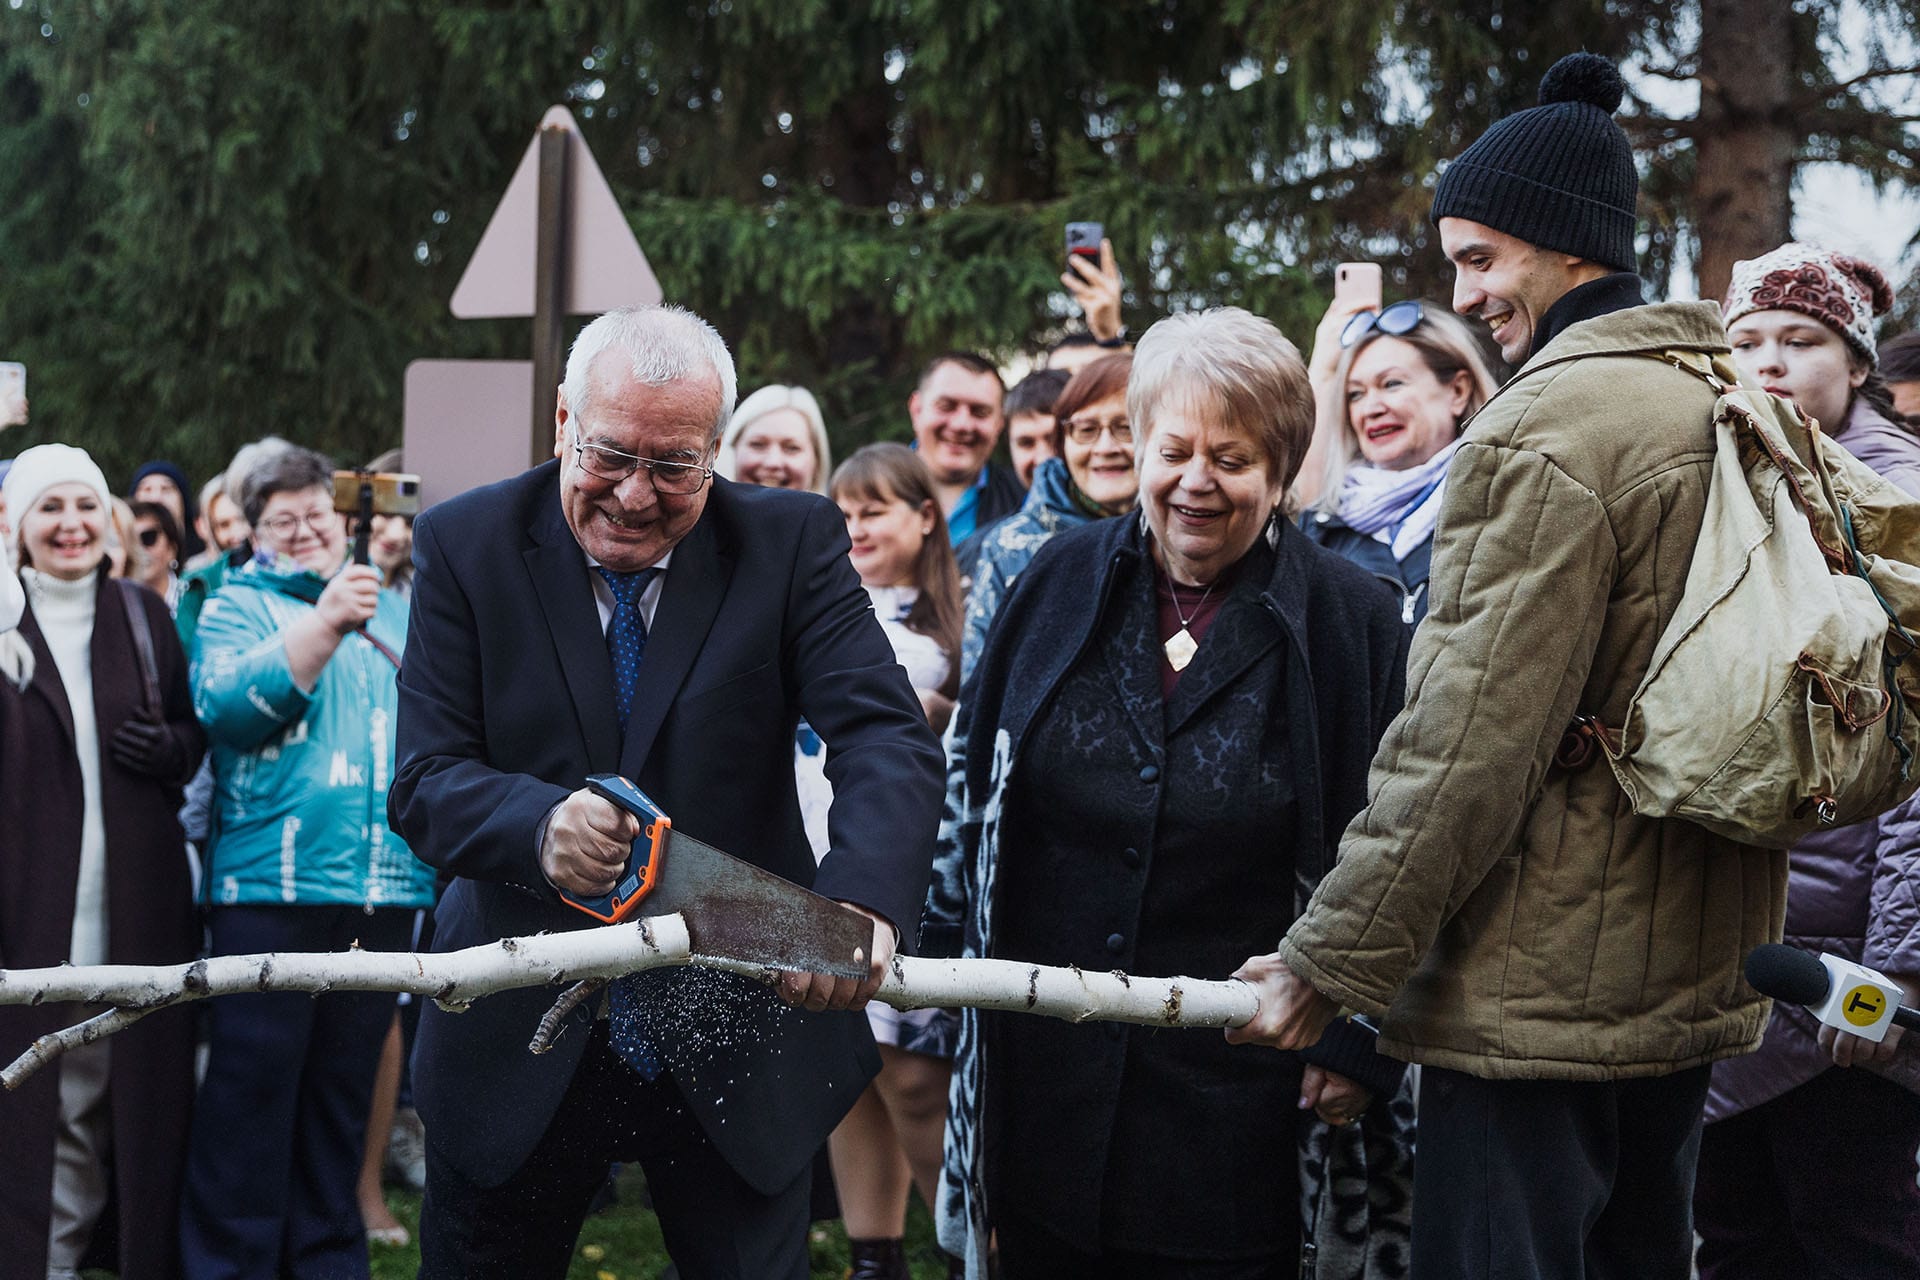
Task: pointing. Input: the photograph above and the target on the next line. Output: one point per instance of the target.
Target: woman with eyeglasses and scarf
(1392, 388)
(295, 678)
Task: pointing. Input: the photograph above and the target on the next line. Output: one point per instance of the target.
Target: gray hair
(289, 470)
(662, 344)
(1448, 348)
(1233, 367)
(245, 459)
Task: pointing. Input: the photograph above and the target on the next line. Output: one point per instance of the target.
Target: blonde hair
(772, 399)
(1447, 347)
(1233, 367)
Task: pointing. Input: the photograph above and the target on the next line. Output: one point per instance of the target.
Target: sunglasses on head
(1395, 321)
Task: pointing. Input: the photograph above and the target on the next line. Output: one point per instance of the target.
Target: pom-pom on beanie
(1842, 292)
(1559, 176)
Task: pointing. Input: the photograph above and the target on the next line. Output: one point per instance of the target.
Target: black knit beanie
(1559, 175)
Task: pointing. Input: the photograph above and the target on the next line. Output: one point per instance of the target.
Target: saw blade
(739, 911)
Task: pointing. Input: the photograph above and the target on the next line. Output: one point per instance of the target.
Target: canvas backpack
(1782, 696)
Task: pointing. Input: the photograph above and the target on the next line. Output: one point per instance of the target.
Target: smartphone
(1083, 238)
(394, 493)
(13, 394)
(1358, 283)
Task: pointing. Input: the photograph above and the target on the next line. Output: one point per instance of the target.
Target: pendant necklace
(1181, 646)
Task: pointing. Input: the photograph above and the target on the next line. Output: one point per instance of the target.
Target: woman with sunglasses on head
(97, 736)
(294, 676)
(1090, 477)
(1392, 389)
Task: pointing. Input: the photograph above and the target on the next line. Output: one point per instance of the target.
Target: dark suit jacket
(506, 705)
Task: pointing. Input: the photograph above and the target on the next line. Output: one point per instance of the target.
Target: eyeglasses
(148, 537)
(1396, 321)
(668, 477)
(282, 527)
(1087, 430)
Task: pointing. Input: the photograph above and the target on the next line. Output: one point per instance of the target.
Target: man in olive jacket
(1564, 970)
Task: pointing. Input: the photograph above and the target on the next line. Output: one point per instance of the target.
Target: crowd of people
(1249, 662)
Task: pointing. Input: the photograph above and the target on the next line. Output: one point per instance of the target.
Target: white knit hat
(44, 466)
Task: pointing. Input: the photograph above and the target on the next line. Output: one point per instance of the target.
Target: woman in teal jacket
(294, 678)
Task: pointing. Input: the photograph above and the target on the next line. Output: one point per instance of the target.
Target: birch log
(456, 978)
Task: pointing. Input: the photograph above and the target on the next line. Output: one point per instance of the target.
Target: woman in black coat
(1169, 727)
(93, 869)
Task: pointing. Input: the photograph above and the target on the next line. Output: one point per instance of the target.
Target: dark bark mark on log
(1173, 1005)
(1123, 979)
(1033, 986)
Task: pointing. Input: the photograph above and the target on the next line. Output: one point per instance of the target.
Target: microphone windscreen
(1787, 973)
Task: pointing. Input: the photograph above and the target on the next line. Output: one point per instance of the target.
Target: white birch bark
(456, 978)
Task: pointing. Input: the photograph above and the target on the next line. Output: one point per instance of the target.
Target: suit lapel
(559, 571)
(689, 601)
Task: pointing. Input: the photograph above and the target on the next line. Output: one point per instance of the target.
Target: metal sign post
(557, 245)
(549, 286)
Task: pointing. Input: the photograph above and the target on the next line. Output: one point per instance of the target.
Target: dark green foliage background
(219, 220)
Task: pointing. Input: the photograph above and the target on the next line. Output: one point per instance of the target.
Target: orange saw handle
(643, 858)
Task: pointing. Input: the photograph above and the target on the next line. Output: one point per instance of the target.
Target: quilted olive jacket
(1506, 917)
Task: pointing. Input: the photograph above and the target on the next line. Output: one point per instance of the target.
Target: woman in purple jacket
(1807, 1164)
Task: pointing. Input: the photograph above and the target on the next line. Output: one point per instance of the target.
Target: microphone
(1842, 994)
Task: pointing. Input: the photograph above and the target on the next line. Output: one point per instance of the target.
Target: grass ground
(623, 1242)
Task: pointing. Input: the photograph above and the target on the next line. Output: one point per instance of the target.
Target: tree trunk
(1744, 150)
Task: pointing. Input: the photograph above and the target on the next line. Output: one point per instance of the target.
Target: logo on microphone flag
(1863, 1006)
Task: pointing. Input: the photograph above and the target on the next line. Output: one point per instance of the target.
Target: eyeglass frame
(1122, 430)
(636, 462)
(282, 526)
(1389, 320)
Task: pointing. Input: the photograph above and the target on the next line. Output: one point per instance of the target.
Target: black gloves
(147, 747)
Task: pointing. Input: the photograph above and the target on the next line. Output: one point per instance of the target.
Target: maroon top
(1198, 605)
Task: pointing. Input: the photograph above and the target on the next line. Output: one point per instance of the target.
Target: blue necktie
(626, 644)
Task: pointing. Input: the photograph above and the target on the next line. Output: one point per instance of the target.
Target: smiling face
(391, 545)
(302, 525)
(1102, 468)
(887, 533)
(627, 525)
(1207, 490)
(1507, 283)
(956, 421)
(1401, 414)
(777, 451)
(1799, 359)
(64, 533)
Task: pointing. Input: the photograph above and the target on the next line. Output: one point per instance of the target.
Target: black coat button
(1117, 943)
(1150, 773)
(1131, 857)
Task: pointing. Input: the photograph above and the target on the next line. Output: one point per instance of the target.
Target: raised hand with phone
(1092, 277)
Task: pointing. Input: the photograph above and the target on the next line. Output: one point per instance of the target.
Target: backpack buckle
(1579, 745)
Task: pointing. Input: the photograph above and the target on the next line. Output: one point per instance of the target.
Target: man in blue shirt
(957, 418)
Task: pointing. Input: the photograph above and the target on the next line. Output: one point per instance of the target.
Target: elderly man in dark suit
(620, 609)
